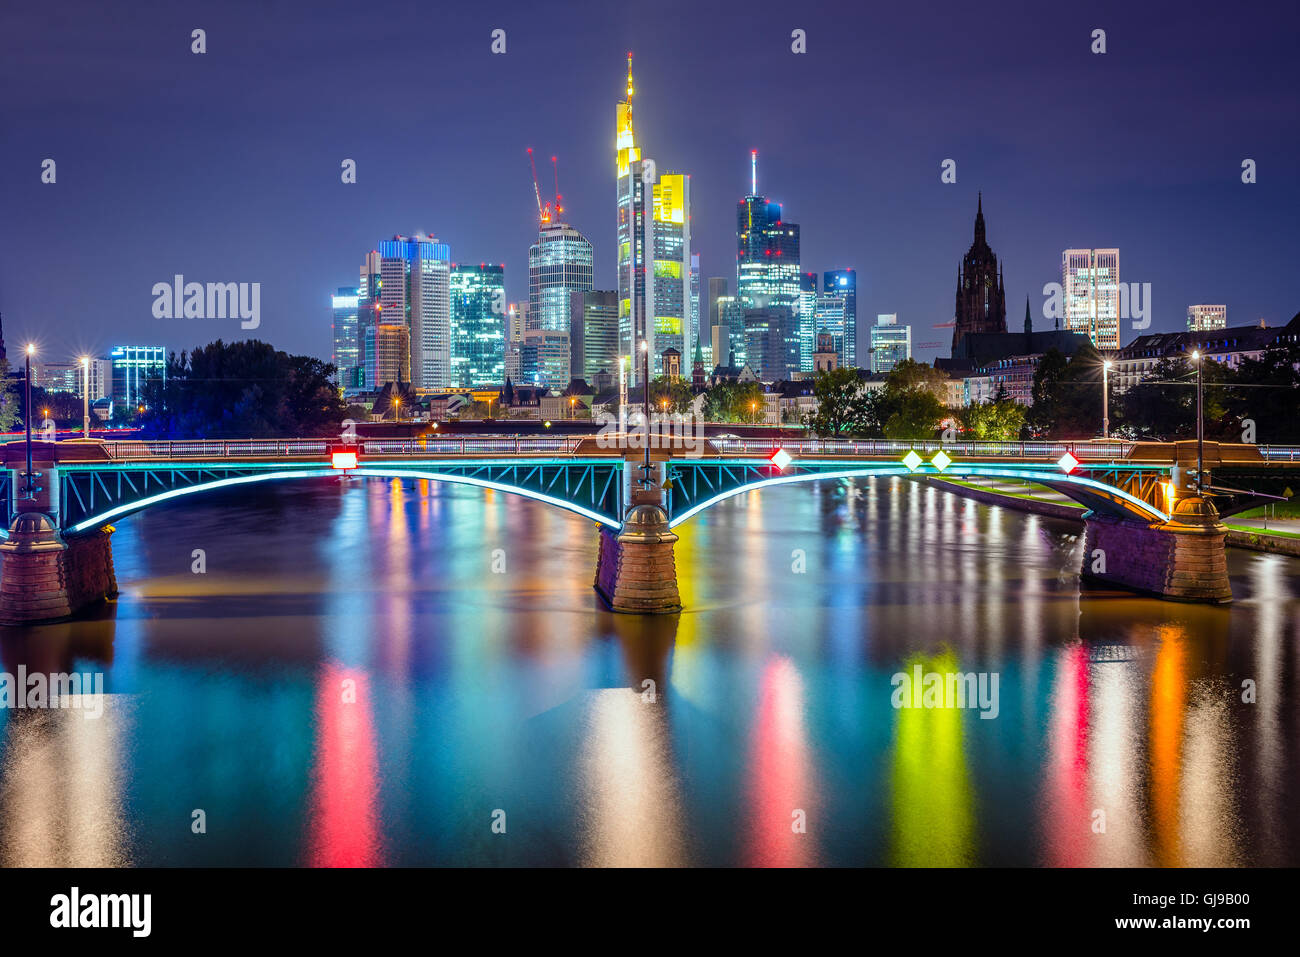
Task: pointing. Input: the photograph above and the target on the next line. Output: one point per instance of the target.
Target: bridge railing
(1046, 450)
(132, 450)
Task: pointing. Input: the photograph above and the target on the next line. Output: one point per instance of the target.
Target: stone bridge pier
(1182, 559)
(44, 574)
(636, 571)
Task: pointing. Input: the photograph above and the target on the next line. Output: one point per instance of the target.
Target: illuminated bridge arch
(95, 495)
(697, 485)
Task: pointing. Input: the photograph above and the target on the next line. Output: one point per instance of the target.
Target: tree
(1067, 395)
(675, 392)
(1265, 392)
(10, 400)
(844, 408)
(911, 404)
(242, 389)
(999, 420)
(734, 402)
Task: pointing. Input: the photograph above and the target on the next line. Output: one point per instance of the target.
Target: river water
(365, 672)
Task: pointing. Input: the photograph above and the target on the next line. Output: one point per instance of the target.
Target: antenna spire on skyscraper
(753, 172)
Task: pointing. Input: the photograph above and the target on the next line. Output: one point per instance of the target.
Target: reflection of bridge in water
(1147, 528)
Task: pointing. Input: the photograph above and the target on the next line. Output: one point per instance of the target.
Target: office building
(593, 334)
(134, 367)
(807, 313)
(1206, 318)
(772, 343)
(891, 343)
(407, 282)
(844, 283)
(559, 264)
(544, 358)
(1090, 284)
(346, 333)
(478, 325)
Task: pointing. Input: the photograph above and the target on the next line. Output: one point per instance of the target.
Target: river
(340, 672)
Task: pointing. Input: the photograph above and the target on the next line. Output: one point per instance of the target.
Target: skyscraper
(670, 265)
(347, 337)
(478, 324)
(829, 318)
(1206, 318)
(1090, 283)
(654, 248)
(695, 296)
(413, 289)
(767, 252)
(134, 367)
(772, 343)
(632, 221)
(844, 283)
(890, 343)
(807, 312)
(593, 334)
(559, 264)
(981, 299)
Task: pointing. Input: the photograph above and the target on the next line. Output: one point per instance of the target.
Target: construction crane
(555, 164)
(543, 212)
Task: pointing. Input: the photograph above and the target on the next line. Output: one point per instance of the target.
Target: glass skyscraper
(1090, 282)
(347, 337)
(478, 325)
(890, 343)
(808, 324)
(559, 264)
(844, 282)
(134, 367)
(410, 285)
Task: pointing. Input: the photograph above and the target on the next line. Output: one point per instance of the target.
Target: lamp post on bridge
(85, 396)
(1200, 421)
(1105, 399)
(28, 491)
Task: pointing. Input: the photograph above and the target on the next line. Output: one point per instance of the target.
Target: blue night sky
(225, 166)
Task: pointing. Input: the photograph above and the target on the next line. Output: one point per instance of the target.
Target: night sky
(226, 166)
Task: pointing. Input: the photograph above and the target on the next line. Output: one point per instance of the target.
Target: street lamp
(645, 408)
(28, 491)
(397, 408)
(1105, 399)
(573, 400)
(85, 396)
(1200, 423)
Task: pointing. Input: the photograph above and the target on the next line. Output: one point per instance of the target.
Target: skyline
(272, 209)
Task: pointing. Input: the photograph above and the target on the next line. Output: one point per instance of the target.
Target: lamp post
(645, 408)
(397, 408)
(1200, 423)
(1105, 399)
(27, 414)
(85, 396)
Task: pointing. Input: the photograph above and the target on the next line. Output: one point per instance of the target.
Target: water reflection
(485, 676)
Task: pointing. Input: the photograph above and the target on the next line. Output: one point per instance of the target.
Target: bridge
(1143, 518)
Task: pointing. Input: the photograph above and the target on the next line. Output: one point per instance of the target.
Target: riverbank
(1040, 500)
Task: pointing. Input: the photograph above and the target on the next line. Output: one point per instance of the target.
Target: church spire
(979, 220)
(1029, 325)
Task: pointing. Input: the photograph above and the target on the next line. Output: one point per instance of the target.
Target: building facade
(1091, 294)
(891, 343)
(593, 334)
(134, 367)
(346, 332)
(772, 343)
(844, 283)
(478, 324)
(1206, 318)
(411, 287)
(559, 264)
